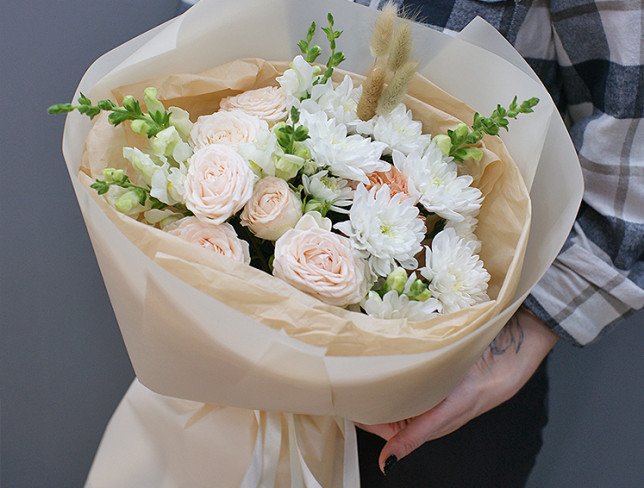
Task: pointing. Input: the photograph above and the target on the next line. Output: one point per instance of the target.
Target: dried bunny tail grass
(371, 90)
(400, 50)
(383, 30)
(395, 91)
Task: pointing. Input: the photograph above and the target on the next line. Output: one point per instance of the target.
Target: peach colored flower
(221, 239)
(394, 179)
(321, 263)
(272, 210)
(218, 184)
(228, 127)
(267, 103)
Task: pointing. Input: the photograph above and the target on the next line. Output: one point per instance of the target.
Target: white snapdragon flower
(455, 273)
(297, 81)
(261, 152)
(434, 179)
(352, 157)
(168, 143)
(395, 306)
(166, 182)
(386, 230)
(334, 191)
(339, 103)
(398, 130)
(168, 185)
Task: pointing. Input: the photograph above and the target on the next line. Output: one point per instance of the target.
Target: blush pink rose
(221, 239)
(272, 210)
(227, 127)
(321, 263)
(268, 104)
(218, 184)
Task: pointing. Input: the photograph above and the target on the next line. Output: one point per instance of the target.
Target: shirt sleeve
(598, 277)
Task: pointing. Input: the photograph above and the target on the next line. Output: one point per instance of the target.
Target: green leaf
(295, 115)
(100, 186)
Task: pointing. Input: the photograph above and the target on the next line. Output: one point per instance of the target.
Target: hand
(497, 376)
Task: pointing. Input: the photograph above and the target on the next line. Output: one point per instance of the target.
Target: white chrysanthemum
(398, 130)
(335, 191)
(352, 157)
(386, 230)
(455, 273)
(339, 103)
(297, 81)
(395, 306)
(465, 229)
(434, 179)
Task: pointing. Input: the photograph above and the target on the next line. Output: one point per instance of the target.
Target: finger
(437, 422)
(386, 431)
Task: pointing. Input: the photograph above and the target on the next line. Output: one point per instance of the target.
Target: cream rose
(323, 264)
(272, 210)
(229, 127)
(221, 239)
(218, 184)
(268, 104)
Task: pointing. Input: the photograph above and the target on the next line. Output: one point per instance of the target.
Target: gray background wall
(63, 364)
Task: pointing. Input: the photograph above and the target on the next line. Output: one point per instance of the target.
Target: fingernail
(391, 460)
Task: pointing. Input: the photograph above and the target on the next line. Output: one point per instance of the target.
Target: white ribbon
(262, 470)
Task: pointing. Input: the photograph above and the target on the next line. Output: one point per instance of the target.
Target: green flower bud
(316, 205)
(129, 102)
(444, 143)
(395, 281)
(126, 202)
(473, 153)
(461, 130)
(418, 291)
(301, 150)
(113, 175)
(287, 166)
(151, 101)
(310, 167)
(140, 127)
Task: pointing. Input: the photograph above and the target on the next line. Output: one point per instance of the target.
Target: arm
(599, 275)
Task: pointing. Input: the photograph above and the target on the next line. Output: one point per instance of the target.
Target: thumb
(418, 431)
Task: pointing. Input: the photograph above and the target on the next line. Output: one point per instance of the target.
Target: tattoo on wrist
(509, 339)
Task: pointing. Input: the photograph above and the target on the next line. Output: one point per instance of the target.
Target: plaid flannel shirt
(589, 55)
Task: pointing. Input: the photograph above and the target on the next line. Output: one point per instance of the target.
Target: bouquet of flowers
(335, 188)
(360, 239)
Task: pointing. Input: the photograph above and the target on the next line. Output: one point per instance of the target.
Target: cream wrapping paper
(185, 344)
